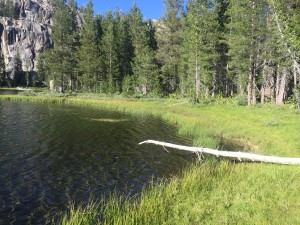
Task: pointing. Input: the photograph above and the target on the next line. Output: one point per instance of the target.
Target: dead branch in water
(237, 155)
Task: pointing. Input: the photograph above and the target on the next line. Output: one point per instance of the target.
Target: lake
(9, 92)
(51, 154)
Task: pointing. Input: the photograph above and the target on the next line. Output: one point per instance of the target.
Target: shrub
(241, 99)
(28, 93)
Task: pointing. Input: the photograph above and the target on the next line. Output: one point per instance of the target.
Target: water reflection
(51, 154)
(9, 92)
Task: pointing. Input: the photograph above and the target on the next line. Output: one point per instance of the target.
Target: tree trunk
(236, 155)
(295, 75)
(262, 94)
(251, 86)
(197, 78)
(249, 89)
(263, 85)
(281, 84)
(253, 90)
(273, 88)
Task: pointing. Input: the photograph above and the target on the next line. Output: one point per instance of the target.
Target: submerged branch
(229, 154)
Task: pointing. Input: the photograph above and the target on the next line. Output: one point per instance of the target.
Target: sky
(151, 9)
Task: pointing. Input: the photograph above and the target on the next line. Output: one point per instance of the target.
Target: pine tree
(169, 40)
(109, 52)
(198, 49)
(88, 52)
(246, 36)
(2, 69)
(144, 66)
(17, 75)
(124, 47)
(60, 61)
(222, 82)
(286, 15)
(41, 70)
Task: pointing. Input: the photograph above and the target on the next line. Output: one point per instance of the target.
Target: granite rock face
(27, 36)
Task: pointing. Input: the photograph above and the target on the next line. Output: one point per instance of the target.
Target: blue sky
(151, 9)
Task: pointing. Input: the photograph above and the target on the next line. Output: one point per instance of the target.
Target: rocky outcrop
(27, 36)
(35, 10)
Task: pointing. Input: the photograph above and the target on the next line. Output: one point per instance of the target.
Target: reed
(215, 191)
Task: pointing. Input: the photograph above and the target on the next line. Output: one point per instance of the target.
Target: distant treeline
(201, 49)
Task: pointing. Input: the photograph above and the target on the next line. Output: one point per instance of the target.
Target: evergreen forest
(201, 49)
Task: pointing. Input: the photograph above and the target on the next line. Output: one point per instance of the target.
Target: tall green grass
(215, 191)
(209, 193)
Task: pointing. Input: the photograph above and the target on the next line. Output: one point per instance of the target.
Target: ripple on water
(53, 154)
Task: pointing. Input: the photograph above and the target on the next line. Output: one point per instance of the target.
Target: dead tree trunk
(228, 154)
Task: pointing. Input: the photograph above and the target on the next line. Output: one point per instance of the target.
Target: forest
(200, 50)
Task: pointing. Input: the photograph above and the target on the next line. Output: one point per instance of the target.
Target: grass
(215, 191)
(7, 88)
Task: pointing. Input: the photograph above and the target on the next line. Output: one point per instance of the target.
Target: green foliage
(60, 61)
(9, 9)
(88, 54)
(144, 65)
(124, 48)
(169, 40)
(213, 48)
(297, 97)
(242, 99)
(41, 70)
(2, 69)
(28, 93)
(199, 39)
(128, 86)
(109, 52)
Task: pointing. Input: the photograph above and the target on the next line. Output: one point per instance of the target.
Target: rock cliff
(27, 36)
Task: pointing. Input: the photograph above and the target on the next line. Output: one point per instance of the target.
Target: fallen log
(230, 154)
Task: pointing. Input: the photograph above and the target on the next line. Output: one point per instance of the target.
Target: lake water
(9, 92)
(51, 154)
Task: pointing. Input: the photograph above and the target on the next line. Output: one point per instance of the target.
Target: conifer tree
(2, 69)
(60, 60)
(41, 70)
(197, 50)
(124, 47)
(286, 15)
(169, 40)
(109, 52)
(88, 52)
(222, 82)
(144, 66)
(246, 36)
(16, 75)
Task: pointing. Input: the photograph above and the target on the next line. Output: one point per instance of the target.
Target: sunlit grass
(215, 191)
(209, 193)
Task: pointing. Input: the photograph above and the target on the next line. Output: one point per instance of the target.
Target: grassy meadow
(213, 191)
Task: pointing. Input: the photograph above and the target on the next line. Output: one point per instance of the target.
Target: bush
(297, 97)
(242, 100)
(28, 93)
